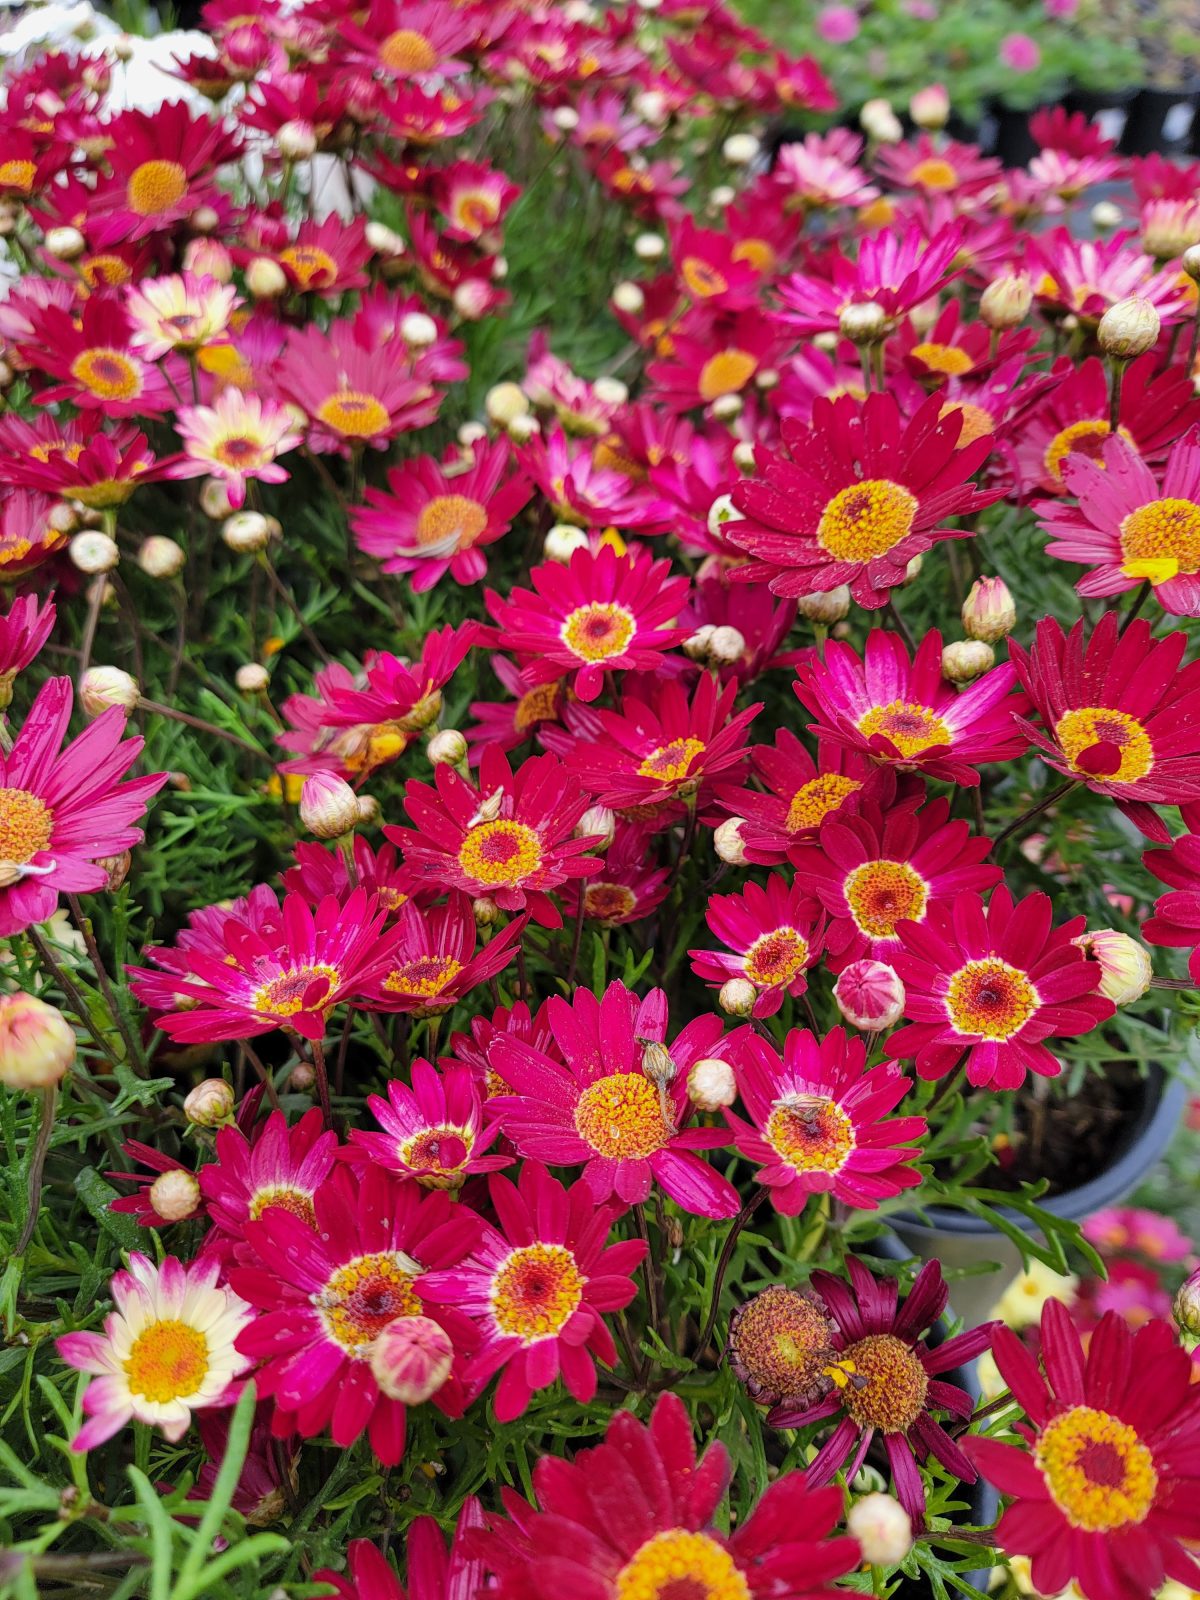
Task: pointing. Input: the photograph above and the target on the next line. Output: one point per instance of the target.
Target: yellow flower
(1020, 1306)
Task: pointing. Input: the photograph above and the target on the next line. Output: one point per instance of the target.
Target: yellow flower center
(406, 50)
(671, 762)
(303, 989)
(500, 852)
(18, 175)
(757, 252)
(882, 893)
(1081, 729)
(620, 1116)
(1161, 540)
(107, 373)
(426, 976)
(439, 1154)
(108, 492)
(536, 1291)
(105, 271)
(990, 999)
(775, 957)
(947, 358)
(353, 414)
(810, 1132)
(1081, 438)
(26, 826)
(1097, 1469)
(538, 705)
(678, 1565)
(976, 422)
(934, 173)
(361, 1298)
(168, 1361)
(452, 520)
(726, 373)
(598, 632)
(284, 1197)
(893, 1396)
(312, 268)
(912, 728)
(241, 452)
(701, 279)
(866, 519)
(476, 210)
(608, 902)
(155, 187)
(814, 800)
(371, 745)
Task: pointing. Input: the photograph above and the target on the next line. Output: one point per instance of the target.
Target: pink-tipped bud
(930, 107)
(208, 258)
(1186, 1309)
(37, 1043)
(711, 1084)
(102, 687)
(989, 613)
(1129, 328)
(175, 1195)
(599, 824)
(411, 1359)
(882, 1527)
(869, 995)
(209, 1104)
(328, 806)
(1124, 963)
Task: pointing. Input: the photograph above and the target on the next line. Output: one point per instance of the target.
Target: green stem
(37, 1166)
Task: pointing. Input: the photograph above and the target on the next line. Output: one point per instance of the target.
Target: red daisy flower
(1117, 713)
(817, 1121)
(268, 1166)
(600, 613)
(953, 348)
(635, 1516)
(510, 723)
(97, 363)
(353, 395)
(1176, 919)
(77, 460)
(475, 1048)
(473, 198)
(433, 964)
(428, 523)
(904, 712)
(711, 357)
(599, 1106)
(321, 871)
(629, 885)
(163, 168)
(885, 865)
(433, 1131)
(326, 1294)
(433, 1573)
(204, 935)
(894, 270)
(62, 811)
(510, 839)
(582, 490)
(1084, 277)
(406, 41)
(327, 258)
(889, 1381)
(801, 793)
(775, 934)
(538, 1288)
(857, 496)
(938, 167)
(993, 985)
(1107, 1492)
(710, 269)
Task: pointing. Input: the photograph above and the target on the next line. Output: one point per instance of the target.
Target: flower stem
(1139, 600)
(731, 1238)
(1114, 394)
(1043, 804)
(72, 991)
(322, 1072)
(160, 710)
(84, 924)
(37, 1166)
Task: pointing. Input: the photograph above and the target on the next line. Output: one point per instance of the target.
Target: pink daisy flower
(798, 794)
(433, 1131)
(63, 811)
(321, 871)
(235, 439)
(510, 723)
(433, 1573)
(992, 985)
(511, 839)
(270, 1166)
(353, 395)
(538, 1287)
(600, 613)
(820, 172)
(428, 523)
(324, 1296)
(582, 490)
(163, 167)
(475, 1049)
(1084, 277)
(894, 270)
(433, 964)
(818, 1121)
(774, 934)
(938, 167)
(712, 356)
(1176, 919)
(598, 1106)
(205, 935)
(629, 884)
(24, 629)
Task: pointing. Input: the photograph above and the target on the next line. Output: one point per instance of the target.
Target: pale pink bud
(882, 1527)
(930, 107)
(869, 995)
(1124, 963)
(102, 687)
(1186, 1309)
(411, 1359)
(37, 1043)
(599, 824)
(266, 279)
(727, 841)
(328, 805)
(989, 613)
(208, 258)
(209, 1104)
(826, 606)
(175, 1195)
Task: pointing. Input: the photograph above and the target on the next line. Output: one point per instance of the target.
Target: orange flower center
(241, 452)
(814, 800)
(426, 976)
(371, 745)
(947, 358)
(912, 728)
(990, 999)
(671, 762)
(866, 519)
(476, 210)
(311, 267)
(882, 893)
(757, 253)
(538, 705)
(608, 902)
(107, 373)
(168, 1361)
(1161, 539)
(893, 1396)
(536, 1291)
(361, 1298)
(1099, 1472)
(451, 521)
(1088, 726)
(934, 173)
(679, 1565)
(303, 989)
(598, 632)
(439, 1155)
(726, 373)
(1084, 438)
(781, 1338)
(18, 175)
(26, 826)
(976, 422)
(701, 279)
(353, 414)
(105, 271)
(620, 1116)
(285, 1197)
(500, 853)
(810, 1132)
(406, 50)
(155, 187)
(775, 957)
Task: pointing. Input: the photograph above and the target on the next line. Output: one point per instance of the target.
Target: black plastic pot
(959, 1240)
(1093, 101)
(1144, 131)
(1012, 140)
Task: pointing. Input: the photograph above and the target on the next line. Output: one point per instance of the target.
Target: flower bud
(696, 646)
(657, 1064)
(204, 219)
(266, 279)
(472, 299)
(487, 912)
(863, 322)
(447, 748)
(827, 606)
(989, 612)
(297, 141)
(175, 1195)
(521, 429)
(879, 122)
(728, 842)
(93, 552)
(911, 572)
(328, 806)
(599, 824)
(65, 244)
(740, 149)
(629, 298)
(214, 499)
(610, 391)
(1186, 1309)
(649, 247)
(411, 1359)
(37, 1043)
(737, 997)
(63, 518)
(209, 1104)
(1106, 216)
(504, 401)
(383, 240)
(882, 1527)
(418, 330)
(565, 118)
(869, 995)
(967, 659)
(726, 645)
(1006, 301)
(160, 557)
(722, 511)
(369, 810)
(562, 542)
(252, 678)
(303, 1078)
(117, 868)
(102, 687)
(246, 531)
(469, 435)
(720, 196)
(727, 407)
(651, 104)
(711, 1084)
(1124, 964)
(1129, 328)
(743, 456)
(208, 258)
(1190, 262)
(930, 107)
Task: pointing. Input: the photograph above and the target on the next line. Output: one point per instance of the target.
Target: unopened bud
(863, 322)
(649, 247)
(266, 279)
(696, 646)
(967, 659)
(65, 244)
(214, 499)
(487, 912)
(1129, 328)
(117, 868)
(210, 1104)
(448, 747)
(246, 531)
(743, 456)
(383, 240)
(303, 1078)
(369, 810)
(37, 1043)
(521, 429)
(1106, 216)
(1123, 962)
(63, 518)
(599, 824)
(727, 407)
(1186, 1309)
(470, 434)
(989, 612)
(1190, 262)
(657, 1064)
(737, 997)
(328, 806)
(565, 118)
(930, 107)
(411, 1358)
(205, 219)
(160, 557)
(911, 572)
(208, 258)
(629, 298)
(827, 606)
(252, 678)
(102, 687)
(562, 542)
(418, 330)
(297, 141)
(711, 1084)
(472, 298)
(740, 149)
(94, 552)
(726, 645)
(1006, 301)
(869, 995)
(722, 511)
(879, 122)
(504, 401)
(728, 842)
(882, 1527)
(610, 391)
(174, 1195)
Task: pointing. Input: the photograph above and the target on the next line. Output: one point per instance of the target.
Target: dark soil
(1069, 1141)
